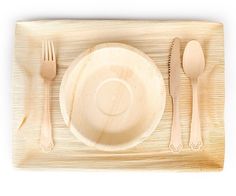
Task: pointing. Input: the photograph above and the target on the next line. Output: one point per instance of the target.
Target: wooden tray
(71, 37)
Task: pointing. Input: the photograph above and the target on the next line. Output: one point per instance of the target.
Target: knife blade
(174, 68)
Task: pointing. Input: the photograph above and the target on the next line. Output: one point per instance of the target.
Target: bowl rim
(76, 132)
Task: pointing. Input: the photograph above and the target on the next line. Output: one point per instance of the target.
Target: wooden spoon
(193, 64)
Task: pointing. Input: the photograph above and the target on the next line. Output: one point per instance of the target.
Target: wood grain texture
(71, 37)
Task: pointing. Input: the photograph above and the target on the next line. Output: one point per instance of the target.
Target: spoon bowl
(193, 59)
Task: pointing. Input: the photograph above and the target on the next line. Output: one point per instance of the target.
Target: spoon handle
(175, 139)
(195, 142)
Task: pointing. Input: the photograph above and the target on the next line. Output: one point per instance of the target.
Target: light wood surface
(112, 96)
(194, 64)
(154, 38)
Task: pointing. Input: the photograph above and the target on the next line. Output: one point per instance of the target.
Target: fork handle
(46, 137)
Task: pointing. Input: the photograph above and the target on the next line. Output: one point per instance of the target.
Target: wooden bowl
(112, 96)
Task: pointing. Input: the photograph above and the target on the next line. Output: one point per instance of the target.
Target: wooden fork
(48, 73)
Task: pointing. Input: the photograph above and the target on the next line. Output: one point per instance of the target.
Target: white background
(43, 183)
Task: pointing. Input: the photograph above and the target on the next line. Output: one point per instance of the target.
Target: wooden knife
(174, 88)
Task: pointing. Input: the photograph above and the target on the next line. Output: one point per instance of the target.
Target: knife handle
(175, 139)
(195, 141)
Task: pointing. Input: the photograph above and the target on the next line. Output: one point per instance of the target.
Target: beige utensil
(193, 64)
(112, 97)
(174, 87)
(48, 72)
